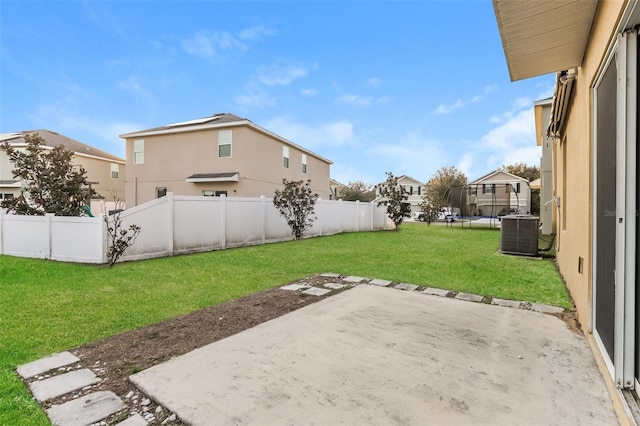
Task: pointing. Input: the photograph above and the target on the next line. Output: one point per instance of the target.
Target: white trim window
(115, 171)
(138, 151)
(225, 139)
(304, 163)
(285, 156)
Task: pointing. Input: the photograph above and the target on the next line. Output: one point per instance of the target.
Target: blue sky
(375, 86)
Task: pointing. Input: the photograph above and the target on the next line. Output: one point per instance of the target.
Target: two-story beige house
(499, 193)
(218, 155)
(105, 172)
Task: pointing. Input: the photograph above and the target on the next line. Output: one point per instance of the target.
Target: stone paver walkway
(61, 374)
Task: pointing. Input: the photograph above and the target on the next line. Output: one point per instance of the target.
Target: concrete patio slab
(377, 356)
(64, 383)
(43, 365)
(85, 410)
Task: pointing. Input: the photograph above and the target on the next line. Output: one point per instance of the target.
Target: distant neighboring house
(542, 112)
(413, 187)
(105, 172)
(499, 193)
(335, 189)
(218, 155)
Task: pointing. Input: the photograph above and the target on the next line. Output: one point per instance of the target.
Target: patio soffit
(543, 36)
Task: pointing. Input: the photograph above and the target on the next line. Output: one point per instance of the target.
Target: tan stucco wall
(575, 211)
(170, 158)
(100, 171)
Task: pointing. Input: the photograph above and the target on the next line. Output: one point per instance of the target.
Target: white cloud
(309, 93)
(280, 75)
(460, 103)
(130, 84)
(356, 100)
(446, 109)
(257, 33)
(215, 46)
(211, 46)
(362, 101)
(407, 154)
(374, 82)
(313, 136)
(256, 99)
(100, 133)
(512, 141)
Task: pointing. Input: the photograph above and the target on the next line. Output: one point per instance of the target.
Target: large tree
(51, 183)
(357, 191)
(395, 198)
(439, 187)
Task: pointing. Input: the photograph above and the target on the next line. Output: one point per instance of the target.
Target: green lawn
(49, 307)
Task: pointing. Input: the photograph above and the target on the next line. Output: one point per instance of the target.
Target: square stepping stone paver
(381, 283)
(330, 275)
(469, 297)
(316, 291)
(546, 309)
(406, 287)
(294, 287)
(64, 383)
(135, 420)
(354, 279)
(506, 303)
(43, 365)
(436, 291)
(85, 410)
(334, 286)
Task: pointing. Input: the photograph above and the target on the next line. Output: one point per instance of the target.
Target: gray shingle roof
(53, 140)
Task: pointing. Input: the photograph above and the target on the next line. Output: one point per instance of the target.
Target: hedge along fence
(176, 225)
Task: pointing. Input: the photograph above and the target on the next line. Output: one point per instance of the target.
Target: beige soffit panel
(543, 36)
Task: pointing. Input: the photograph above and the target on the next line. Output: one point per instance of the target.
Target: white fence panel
(350, 216)
(26, 236)
(244, 223)
(77, 239)
(197, 224)
(156, 220)
(276, 228)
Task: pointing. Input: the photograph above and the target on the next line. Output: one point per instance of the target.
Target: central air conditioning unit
(519, 235)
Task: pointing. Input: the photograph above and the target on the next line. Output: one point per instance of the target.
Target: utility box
(519, 235)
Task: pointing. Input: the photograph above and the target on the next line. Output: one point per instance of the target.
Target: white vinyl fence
(178, 224)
